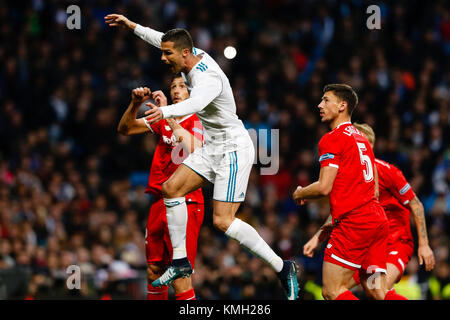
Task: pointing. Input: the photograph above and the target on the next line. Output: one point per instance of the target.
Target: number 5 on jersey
(365, 160)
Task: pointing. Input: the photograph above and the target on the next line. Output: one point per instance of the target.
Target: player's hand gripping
(426, 255)
(154, 114)
(140, 94)
(159, 98)
(118, 20)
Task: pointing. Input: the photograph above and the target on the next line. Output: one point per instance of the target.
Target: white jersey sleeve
(149, 35)
(207, 88)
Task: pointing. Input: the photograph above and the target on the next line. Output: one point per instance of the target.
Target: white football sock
(249, 238)
(177, 216)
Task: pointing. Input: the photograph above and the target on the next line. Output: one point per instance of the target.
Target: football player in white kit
(225, 160)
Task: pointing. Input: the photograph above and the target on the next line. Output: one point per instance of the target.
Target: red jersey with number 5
(348, 150)
(169, 154)
(395, 194)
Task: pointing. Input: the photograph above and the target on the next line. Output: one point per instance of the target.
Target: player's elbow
(324, 189)
(123, 129)
(416, 204)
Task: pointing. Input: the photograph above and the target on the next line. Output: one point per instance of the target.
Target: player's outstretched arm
(147, 34)
(128, 124)
(424, 251)
(118, 20)
(209, 87)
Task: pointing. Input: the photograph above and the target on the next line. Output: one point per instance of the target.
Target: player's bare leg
(374, 285)
(335, 282)
(392, 275)
(183, 181)
(224, 219)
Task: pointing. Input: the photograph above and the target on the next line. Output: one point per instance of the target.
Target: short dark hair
(177, 75)
(180, 37)
(345, 93)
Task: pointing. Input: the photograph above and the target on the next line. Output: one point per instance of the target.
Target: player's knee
(332, 292)
(170, 189)
(377, 294)
(327, 294)
(221, 223)
(154, 272)
(167, 189)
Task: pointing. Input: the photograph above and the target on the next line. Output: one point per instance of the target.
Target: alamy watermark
(74, 279)
(74, 19)
(265, 144)
(374, 20)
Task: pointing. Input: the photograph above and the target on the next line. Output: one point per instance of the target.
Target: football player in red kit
(399, 200)
(359, 237)
(177, 138)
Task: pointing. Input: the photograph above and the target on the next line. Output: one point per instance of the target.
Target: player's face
(178, 90)
(329, 107)
(172, 56)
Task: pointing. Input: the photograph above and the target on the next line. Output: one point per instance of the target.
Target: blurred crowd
(72, 188)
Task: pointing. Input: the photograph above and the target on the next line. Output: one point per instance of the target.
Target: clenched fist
(140, 94)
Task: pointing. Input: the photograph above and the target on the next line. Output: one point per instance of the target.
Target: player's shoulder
(207, 65)
(384, 169)
(388, 168)
(332, 136)
(328, 138)
(382, 163)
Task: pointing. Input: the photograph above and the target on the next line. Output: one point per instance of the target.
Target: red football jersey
(169, 154)
(347, 149)
(395, 194)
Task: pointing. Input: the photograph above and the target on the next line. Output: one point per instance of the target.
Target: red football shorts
(158, 247)
(359, 240)
(399, 254)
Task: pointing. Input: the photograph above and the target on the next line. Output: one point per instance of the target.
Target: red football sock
(392, 295)
(154, 293)
(346, 295)
(187, 295)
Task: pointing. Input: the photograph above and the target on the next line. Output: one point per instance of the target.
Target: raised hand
(140, 94)
(159, 98)
(118, 20)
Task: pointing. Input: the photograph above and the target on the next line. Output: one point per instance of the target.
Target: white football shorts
(229, 171)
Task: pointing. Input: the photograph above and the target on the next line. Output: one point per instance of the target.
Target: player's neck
(191, 61)
(339, 120)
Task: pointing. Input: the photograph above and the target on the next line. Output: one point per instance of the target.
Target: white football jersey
(211, 98)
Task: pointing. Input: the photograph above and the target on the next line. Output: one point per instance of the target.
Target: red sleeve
(329, 151)
(400, 188)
